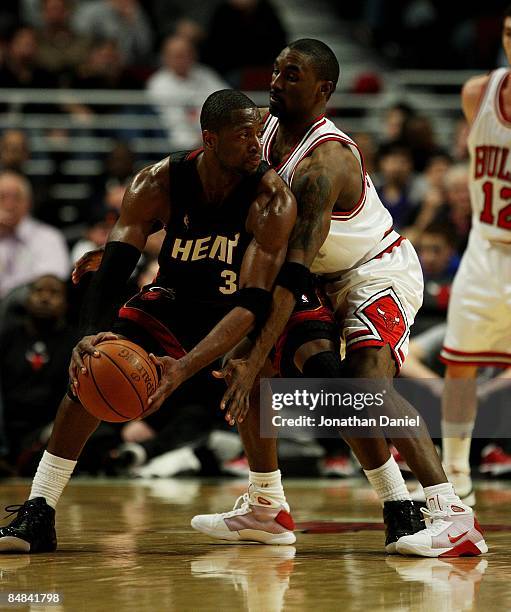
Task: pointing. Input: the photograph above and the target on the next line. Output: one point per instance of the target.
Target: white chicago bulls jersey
(353, 234)
(489, 144)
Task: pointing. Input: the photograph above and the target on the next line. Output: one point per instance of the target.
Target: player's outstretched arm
(270, 220)
(471, 96)
(145, 202)
(317, 186)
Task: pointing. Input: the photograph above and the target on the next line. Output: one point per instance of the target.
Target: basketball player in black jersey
(228, 218)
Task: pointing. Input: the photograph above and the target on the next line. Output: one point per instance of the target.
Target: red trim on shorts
(479, 364)
(476, 353)
(397, 355)
(155, 328)
(360, 332)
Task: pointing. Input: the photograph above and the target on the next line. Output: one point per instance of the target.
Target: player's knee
(460, 371)
(324, 364)
(310, 349)
(371, 362)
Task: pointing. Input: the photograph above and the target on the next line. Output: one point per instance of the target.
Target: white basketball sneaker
(254, 518)
(451, 531)
(462, 483)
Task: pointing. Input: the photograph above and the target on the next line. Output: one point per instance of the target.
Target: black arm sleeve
(107, 287)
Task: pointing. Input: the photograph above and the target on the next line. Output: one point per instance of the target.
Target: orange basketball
(119, 382)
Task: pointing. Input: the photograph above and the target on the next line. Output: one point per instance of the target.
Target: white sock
(457, 438)
(269, 485)
(388, 482)
(51, 477)
(445, 489)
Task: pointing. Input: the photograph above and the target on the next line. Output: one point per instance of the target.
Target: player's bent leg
(459, 405)
(33, 528)
(262, 514)
(318, 359)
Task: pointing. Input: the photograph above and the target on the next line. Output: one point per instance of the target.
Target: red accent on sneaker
(285, 519)
(264, 502)
(465, 549)
(457, 509)
(454, 539)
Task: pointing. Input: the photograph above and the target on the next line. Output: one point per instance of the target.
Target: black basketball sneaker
(33, 529)
(401, 518)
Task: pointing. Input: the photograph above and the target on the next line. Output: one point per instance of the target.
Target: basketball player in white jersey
(479, 316)
(374, 282)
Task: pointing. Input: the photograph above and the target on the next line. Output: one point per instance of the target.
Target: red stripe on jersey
(390, 248)
(193, 154)
(499, 106)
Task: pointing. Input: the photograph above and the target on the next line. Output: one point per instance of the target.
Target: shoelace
(240, 505)
(430, 516)
(12, 509)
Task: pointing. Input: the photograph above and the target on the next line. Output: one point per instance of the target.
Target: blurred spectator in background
(457, 210)
(21, 70)
(61, 50)
(118, 169)
(36, 346)
(436, 248)
(15, 155)
(367, 146)
(244, 37)
(179, 88)
(395, 186)
(418, 134)
(459, 148)
(395, 119)
(96, 234)
(121, 20)
(28, 248)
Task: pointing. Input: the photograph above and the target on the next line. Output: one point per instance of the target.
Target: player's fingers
(226, 399)
(219, 373)
(156, 360)
(101, 337)
(244, 406)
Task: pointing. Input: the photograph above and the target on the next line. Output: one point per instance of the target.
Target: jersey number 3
(504, 216)
(229, 285)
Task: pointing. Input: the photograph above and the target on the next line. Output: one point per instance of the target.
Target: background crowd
(177, 53)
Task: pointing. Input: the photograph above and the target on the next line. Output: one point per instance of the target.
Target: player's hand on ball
(172, 374)
(240, 378)
(89, 262)
(86, 346)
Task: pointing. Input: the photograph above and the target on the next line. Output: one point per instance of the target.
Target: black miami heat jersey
(200, 258)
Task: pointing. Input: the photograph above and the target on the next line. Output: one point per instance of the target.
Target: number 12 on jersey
(504, 214)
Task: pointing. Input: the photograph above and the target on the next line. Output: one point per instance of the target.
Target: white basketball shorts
(479, 314)
(377, 300)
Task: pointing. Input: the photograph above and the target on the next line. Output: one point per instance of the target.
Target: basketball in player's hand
(118, 383)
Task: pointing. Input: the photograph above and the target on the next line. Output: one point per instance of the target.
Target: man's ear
(209, 139)
(327, 88)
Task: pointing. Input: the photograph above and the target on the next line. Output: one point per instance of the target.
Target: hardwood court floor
(127, 545)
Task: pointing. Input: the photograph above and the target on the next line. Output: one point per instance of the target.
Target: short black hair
(507, 12)
(444, 229)
(216, 110)
(323, 58)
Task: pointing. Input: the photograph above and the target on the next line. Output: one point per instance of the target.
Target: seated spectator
(419, 136)
(96, 234)
(244, 35)
(394, 122)
(61, 50)
(119, 168)
(15, 155)
(28, 248)
(20, 69)
(179, 88)
(436, 248)
(395, 186)
(121, 20)
(33, 365)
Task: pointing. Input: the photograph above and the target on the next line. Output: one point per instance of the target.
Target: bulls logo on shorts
(384, 321)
